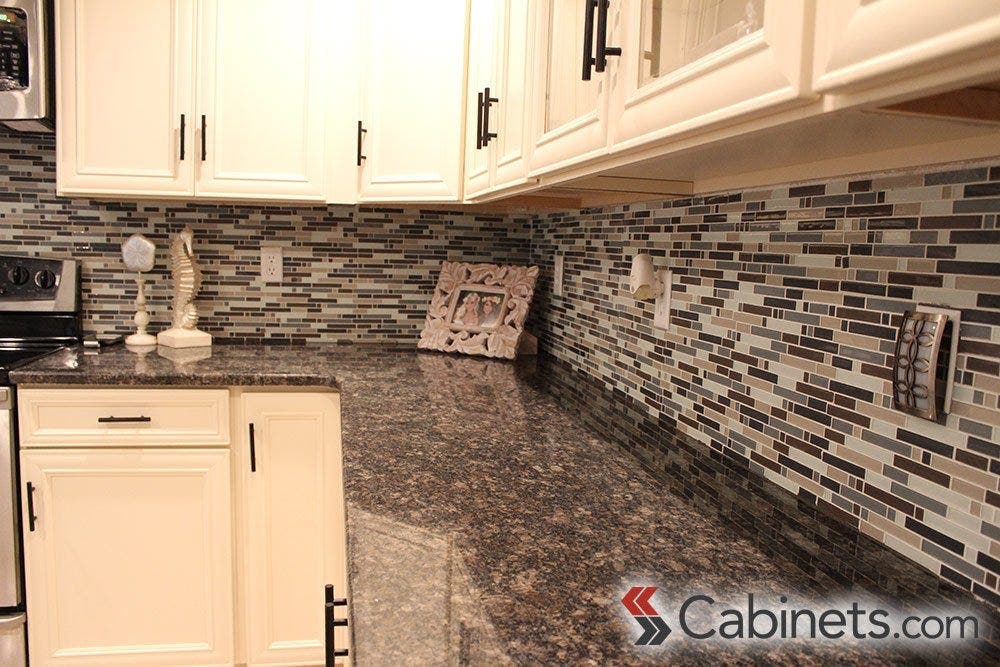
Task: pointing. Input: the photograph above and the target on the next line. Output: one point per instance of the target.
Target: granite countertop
(485, 524)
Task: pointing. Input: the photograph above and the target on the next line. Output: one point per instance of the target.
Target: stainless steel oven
(26, 64)
(39, 313)
(12, 632)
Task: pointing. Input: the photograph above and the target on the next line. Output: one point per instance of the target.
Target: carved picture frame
(479, 309)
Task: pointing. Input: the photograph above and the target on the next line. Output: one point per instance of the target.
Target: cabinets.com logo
(701, 617)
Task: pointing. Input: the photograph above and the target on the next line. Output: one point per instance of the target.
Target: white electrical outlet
(271, 264)
(557, 276)
(661, 310)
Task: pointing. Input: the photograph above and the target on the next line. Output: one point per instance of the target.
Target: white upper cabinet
(413, 82)
(125, 75)
(569, 112)
(862, 43)
(690, 64)
(147, 109)
(262, 98)
(497, 97)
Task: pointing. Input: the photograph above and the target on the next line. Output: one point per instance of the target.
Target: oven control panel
(37, 283)
(13, 49)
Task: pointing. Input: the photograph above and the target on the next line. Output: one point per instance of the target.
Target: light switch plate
(661, 310)
(271, 264)
(557, 276)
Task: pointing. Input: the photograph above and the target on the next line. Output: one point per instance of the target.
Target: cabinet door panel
(125, 76)
(262, 83)
(414, 92)
(130, 559)
(483, 37)
(692, 64)
(569, 114)
(294, 530)
(508, 149)
(861, 42)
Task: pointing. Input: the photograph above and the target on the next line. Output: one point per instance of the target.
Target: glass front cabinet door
(693, 64)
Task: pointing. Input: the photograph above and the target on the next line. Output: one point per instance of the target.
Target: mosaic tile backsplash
(350, 273)
(786, 303)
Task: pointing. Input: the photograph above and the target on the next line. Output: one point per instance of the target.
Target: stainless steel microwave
(26, 64)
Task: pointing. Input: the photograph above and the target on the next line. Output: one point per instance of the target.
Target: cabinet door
(867, 42)
(293, 531)
(414, 93)
(690, 64)
(262, 95)
(484, 28)
(507, 152)
(125, 79)
(569, 121)
(128, 561)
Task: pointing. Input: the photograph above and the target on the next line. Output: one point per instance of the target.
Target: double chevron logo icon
(654, 628)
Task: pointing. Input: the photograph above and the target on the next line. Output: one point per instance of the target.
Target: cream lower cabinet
(292, 541)
(145, 548)
(128, 557)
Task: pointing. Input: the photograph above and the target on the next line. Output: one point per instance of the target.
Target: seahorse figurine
(187, 284)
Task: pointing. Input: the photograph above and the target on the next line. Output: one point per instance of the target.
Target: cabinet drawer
(123, 417)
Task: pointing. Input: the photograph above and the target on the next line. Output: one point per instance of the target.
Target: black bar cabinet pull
(588, 38)
(183, 132)
(331, 624)
(487, 103)
(603, 50)
(479, 122)
(124, 420)
(253, 451)
(31, 507)
(204, 151)
(361, 132)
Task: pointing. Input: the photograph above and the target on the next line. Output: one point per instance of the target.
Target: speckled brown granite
(487, 525)
(216, 366)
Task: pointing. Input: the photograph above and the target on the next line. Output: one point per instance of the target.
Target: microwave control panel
(13, 49)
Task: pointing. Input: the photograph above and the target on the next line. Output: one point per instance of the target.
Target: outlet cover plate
(271, 264)
(661, 310)
(557, 275)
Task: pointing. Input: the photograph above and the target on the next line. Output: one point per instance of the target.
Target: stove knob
(45, 279)
(18, 275)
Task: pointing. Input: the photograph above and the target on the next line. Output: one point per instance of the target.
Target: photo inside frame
(477, 308)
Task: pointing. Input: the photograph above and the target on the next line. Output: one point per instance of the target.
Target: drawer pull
(588, 39)
(603, 50)
(31, 507)
(183, 130)
(253, 451)
(124, 420)
(204, 151)
(332, 622)
(361, 132)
